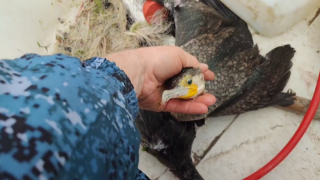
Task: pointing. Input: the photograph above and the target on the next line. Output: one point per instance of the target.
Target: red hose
(295, 138)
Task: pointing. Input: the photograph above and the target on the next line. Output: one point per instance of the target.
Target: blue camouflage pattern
(63, 119)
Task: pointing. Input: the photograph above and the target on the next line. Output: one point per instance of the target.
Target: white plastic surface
(272, 17)
(24, 25)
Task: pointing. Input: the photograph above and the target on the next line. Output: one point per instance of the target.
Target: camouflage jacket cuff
(113, 70)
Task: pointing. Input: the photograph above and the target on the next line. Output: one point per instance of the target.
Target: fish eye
(189, 81)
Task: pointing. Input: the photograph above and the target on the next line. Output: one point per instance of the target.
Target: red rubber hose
(295, 138)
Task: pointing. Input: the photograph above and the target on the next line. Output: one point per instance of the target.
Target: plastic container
(272, 17)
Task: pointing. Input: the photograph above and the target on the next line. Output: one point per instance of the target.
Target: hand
(148, 68)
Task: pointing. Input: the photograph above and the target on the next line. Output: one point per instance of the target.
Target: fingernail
(204, 64)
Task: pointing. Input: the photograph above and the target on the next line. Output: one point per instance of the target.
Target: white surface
(272, 17)
(25, 23)
(250, 141)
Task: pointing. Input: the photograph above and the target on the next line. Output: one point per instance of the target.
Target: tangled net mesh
(101, 28)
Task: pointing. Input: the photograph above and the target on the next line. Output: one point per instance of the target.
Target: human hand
(148, 68)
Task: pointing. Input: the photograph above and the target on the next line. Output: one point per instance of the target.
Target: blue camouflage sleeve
(63, 119)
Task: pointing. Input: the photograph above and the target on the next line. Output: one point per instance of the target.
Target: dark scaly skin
(264, 86)
(244, 81)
